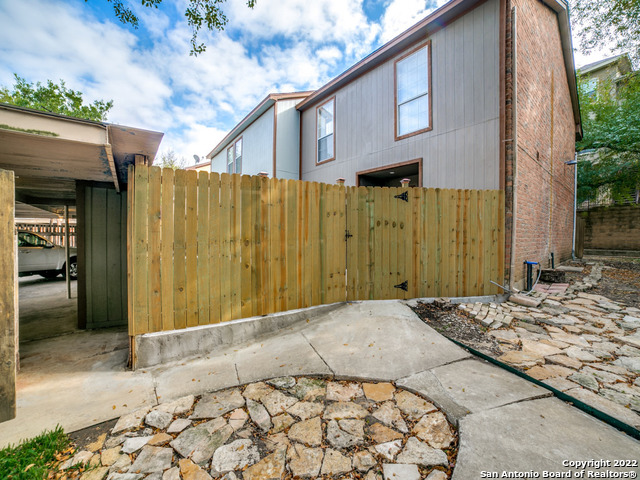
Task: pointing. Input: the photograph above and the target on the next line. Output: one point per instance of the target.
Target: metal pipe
(575, 203)
(66, 250)
(514, 111)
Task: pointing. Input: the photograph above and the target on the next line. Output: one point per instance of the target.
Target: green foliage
(199, 13)
(611, 125)
(29, 130)
(32, 458)
(169, 159)
(604, 22)
(54, 98)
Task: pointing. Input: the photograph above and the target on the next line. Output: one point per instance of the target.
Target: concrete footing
(162, 347)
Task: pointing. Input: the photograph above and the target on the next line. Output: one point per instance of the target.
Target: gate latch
(347, 235)
(403, 286)
(403, 196)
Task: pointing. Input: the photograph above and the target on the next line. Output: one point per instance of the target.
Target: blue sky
(280, 46)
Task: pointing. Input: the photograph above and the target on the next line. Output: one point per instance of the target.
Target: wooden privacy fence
(207, 248)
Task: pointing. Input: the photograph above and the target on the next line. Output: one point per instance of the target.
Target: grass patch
(29, 130)
(33, 458)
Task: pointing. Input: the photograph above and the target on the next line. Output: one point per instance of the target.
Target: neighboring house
(613, 71)
(266, 140)
(200, 167)
(608, 70)
(435, 105)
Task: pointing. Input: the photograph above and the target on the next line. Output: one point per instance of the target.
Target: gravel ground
(447, 319)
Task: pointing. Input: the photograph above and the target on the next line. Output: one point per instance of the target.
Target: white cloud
(402, 14)
(280, 46)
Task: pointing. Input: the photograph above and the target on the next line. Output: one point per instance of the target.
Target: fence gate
(205, 248)
(415, 242)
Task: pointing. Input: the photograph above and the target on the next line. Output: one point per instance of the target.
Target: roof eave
(427, 26)
(562, 10)
(253, 115)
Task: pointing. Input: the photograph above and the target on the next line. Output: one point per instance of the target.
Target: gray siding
(288, 139)
(462, 150)
(102, 256)
(257, 145)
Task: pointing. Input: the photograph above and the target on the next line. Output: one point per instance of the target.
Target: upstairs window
(234, 157)
(413, 95)
(325, 149)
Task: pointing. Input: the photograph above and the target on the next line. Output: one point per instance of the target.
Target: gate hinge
(403, 286)
(347, 235)
(403, 196)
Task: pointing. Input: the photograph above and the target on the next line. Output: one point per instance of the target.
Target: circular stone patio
(282, 428)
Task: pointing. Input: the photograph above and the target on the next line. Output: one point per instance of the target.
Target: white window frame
(332, 101)
(233, 156)
(428, 93)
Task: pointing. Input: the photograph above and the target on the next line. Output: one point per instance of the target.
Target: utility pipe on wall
(514, 143)
(575, 203)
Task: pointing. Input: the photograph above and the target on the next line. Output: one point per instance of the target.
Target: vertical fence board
(155, 299)
(140, 249)
(453, 243)
(414, 231)
(282, 239)
(316, 219)
(473, 242)
(180, 251)
(225, 236)
(166, 260)
(236, 248)
(192, 248)
(130, 246)
(291, 206)
(256, 263)
(203, 248)
(265, 254)
(459, 241)
(214, 248)
(394, 209)
(274, 234)
(245, 247)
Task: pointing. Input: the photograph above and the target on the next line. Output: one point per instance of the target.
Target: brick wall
(615, 227)
(546, 140)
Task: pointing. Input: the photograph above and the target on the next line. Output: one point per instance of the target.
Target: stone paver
(299, 426)
(579, 332)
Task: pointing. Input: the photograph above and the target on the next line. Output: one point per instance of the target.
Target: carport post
(66, 250)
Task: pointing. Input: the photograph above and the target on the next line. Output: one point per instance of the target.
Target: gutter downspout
(575, 203)
(514, 111)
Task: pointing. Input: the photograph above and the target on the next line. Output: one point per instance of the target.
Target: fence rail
(206, 248)
(53, 233)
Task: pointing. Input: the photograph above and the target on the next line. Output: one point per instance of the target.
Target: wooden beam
(112, 167)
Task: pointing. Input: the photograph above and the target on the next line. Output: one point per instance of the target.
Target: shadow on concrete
(45, 310)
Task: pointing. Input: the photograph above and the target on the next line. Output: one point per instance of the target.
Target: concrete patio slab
(75, 381)
(478, 385)
(288, 354)
(194, 376)
(537, 435)
(379, 340)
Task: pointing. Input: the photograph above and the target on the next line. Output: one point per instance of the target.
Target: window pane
(239, 164)
(413, 75)
(239, 148)
(413, 115)
(325, 119)
(325, 148)
(230, 160)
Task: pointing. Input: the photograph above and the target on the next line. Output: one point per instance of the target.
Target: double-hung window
(234, 157)
(413, 95)
(325, 136)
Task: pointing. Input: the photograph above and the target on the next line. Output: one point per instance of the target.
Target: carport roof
(49, 152)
